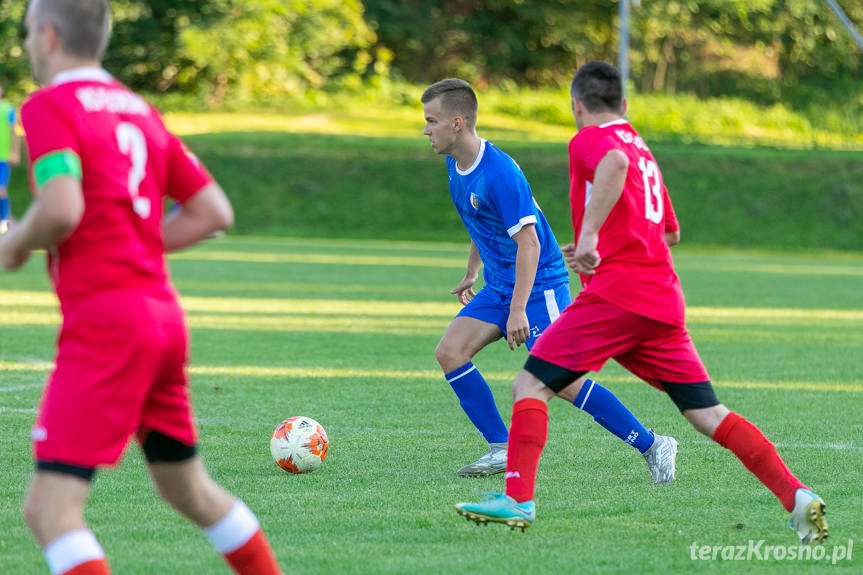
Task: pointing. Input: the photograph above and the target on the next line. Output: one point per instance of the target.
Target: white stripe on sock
(234, 529)
(461, 375)
(586, 395)
(72, 549)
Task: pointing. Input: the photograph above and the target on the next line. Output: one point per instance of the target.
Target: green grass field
(370, 173)
(344, 331)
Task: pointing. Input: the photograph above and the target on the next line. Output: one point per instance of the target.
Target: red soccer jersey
(636, 271)
(129, 162)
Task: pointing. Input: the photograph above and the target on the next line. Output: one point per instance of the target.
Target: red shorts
(119, 371)
(591, 331)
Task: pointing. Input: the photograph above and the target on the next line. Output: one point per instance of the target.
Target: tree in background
(259, 50)
(267, 48)
(494, 41)
(244, 49)
(766, 50)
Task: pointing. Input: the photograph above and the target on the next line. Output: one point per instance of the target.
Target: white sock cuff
(234, 529)
(71, 549)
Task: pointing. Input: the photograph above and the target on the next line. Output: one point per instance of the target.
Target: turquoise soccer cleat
(807, 517)
(499, 508)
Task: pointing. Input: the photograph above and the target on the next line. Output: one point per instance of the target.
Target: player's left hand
(517, 329)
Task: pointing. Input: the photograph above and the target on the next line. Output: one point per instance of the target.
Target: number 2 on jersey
(653, 208)
(132, 143)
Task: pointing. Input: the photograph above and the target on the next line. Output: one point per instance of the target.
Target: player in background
(631, 309)
(526, 280)
(10, 155)
(101, 163)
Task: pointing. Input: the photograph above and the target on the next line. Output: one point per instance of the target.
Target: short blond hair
(457, 98)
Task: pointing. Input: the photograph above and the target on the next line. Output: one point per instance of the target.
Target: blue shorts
(4, 174)
(543, 307)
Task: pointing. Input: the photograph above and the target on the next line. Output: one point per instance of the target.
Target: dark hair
(598, 86)
(84, 26)
(457, 97)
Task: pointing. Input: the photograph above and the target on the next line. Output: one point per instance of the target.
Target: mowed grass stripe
(299, 372)
(294, 333)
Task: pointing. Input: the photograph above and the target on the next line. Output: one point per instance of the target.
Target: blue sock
(4, 208)
(477, 401)
(610, 413)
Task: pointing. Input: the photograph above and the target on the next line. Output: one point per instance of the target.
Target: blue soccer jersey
(495, 202)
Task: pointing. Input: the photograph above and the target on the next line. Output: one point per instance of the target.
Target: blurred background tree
(767, 51)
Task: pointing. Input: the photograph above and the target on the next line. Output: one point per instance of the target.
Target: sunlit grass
(351, 260)
(288, 329)
(294, 373)
(370, 121)
(354, 309)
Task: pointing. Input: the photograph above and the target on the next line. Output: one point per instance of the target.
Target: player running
(631, 309)
(101, 164)
(526, 281)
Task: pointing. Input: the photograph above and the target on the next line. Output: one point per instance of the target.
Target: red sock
(94, 567)
(759, 456)
(527, 435)
(254, 557)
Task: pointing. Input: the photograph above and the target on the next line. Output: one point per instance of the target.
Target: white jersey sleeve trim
(526, 220)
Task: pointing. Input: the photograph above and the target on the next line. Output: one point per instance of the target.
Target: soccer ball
(299, 444)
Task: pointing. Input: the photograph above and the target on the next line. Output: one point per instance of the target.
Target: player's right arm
(50, 219)
(464, 290)
(608, 181)
(58, 205)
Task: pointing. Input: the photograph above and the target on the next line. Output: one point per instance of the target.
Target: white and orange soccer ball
(299, 444)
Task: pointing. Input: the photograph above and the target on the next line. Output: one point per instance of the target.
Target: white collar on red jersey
(87, 74)
(616, 122)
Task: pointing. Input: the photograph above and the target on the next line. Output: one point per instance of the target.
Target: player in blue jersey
(526, 281)
(10, 155)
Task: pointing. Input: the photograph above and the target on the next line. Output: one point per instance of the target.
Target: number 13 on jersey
(653, 208)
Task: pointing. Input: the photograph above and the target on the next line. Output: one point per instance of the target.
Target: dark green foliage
(261, 51)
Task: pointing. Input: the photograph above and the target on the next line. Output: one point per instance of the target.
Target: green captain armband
(59, 163)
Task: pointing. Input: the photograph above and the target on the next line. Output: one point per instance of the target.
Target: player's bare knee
(39, 518)
(449, 356)
(527, 385)
(32, 511)
(707, 419)
(570, 392)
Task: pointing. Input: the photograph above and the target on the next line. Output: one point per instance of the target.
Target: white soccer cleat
(662, 459)
(493, 462)
(807, 517)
